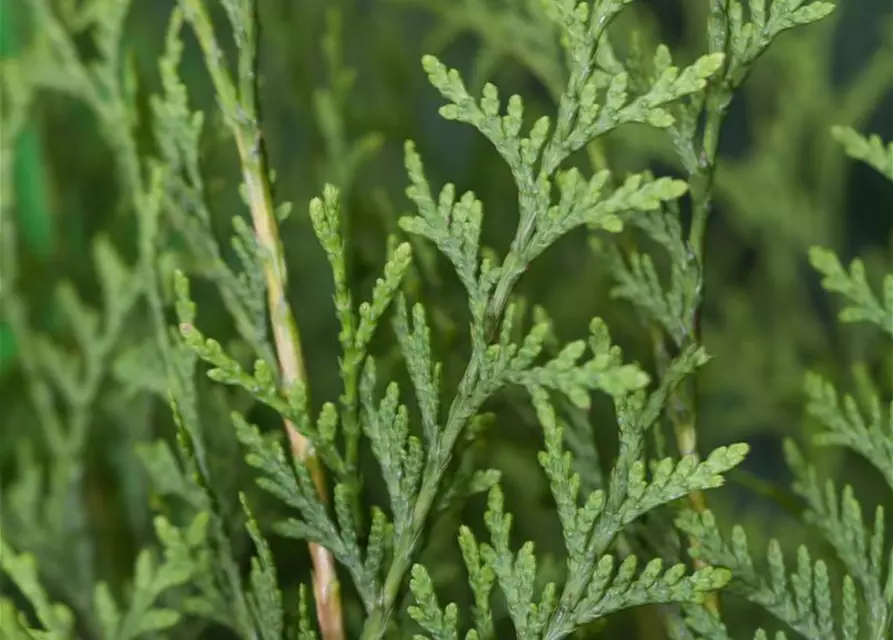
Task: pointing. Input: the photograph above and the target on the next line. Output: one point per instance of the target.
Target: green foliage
(150, 493)
(594, 588)
(56, 620)
(866, 593)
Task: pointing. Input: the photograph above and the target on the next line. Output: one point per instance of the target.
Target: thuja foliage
(145, 351)
(810, 601)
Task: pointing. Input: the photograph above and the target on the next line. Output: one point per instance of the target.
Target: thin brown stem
(241, 110)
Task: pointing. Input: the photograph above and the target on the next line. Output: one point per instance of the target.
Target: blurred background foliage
(342, 89)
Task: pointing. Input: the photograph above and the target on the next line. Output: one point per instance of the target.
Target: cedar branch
(241, 111)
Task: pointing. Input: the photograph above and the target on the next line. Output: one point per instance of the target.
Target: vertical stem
(715, 103)
(241, 110)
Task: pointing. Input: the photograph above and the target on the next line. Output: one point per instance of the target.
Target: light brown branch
(241, 111)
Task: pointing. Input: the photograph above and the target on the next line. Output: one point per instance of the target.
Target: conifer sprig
(807, 599)
(595, 585)
(590, 108)
(695, 131)
(616, 517)
(240, 105)
(66, 387)
(56, 619)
